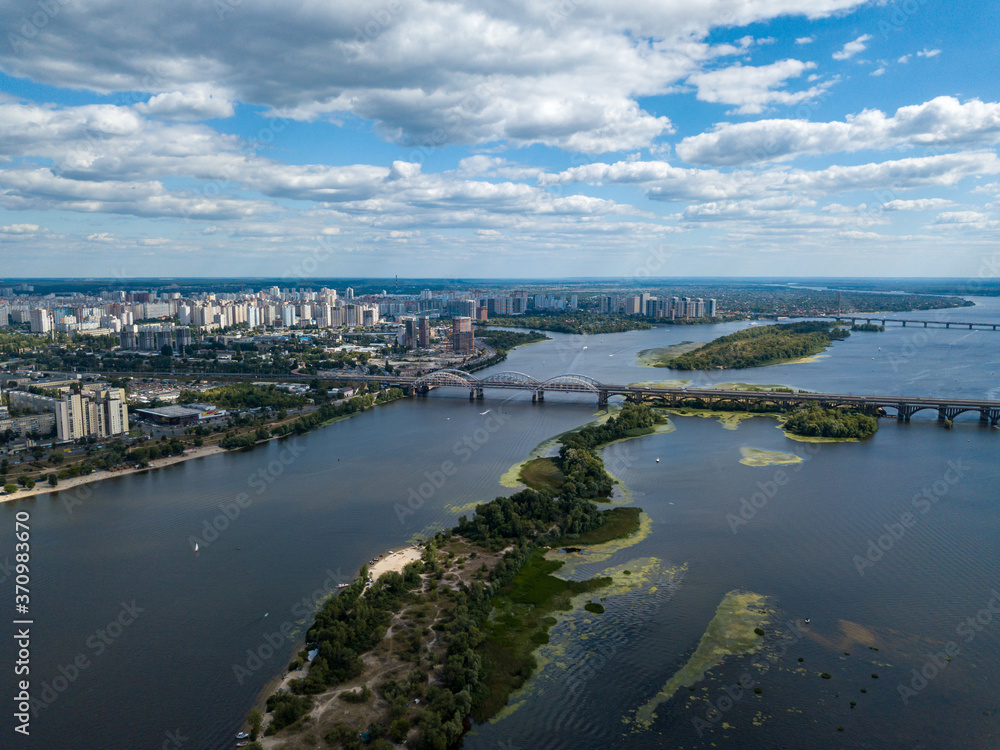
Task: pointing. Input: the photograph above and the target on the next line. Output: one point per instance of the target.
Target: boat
(484, 413)
(657, 460)
(807, 621)
(196, 546)
(343, 585)
(242, 736)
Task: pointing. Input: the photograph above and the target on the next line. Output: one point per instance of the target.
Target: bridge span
(884, 320)
(902, 407)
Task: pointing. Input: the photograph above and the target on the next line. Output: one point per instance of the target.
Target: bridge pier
(537, 396)
(904, 324)
(472, 394)
(947, 325)
(479, 394)
(925, 324)
(602, 398)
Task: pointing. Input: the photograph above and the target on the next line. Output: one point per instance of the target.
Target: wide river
(138, 642)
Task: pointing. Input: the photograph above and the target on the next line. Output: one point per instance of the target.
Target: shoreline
(99, 476)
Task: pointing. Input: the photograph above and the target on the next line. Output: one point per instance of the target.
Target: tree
(10, 489)
(53, 480)
(255, 720)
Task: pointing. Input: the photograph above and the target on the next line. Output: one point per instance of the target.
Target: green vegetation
(618, 523)
(573, 322)
(816, 421)
(504, 341)
(542, 474)
(869, 327)
(521, 620)
(490, 629)
(245, 396)
(329, 412)
(755, 347)
(594, 607)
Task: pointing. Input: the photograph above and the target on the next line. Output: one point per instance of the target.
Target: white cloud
(853, 48)
(19, 229)
(665, 182)
(101, 237)
(431, 73)
(880, 70)
(804, 40)
(192, 105)
(920, 204)
(941, 122)
(904, 59)
(928, 52)
(754, 88)
(966, 220)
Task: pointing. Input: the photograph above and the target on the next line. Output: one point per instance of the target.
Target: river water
(138, 640)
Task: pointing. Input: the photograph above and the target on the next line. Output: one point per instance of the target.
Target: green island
(412, 655)
(759, 457)
(756, 347)
(868, 327)
(814, 421)
(735, 630)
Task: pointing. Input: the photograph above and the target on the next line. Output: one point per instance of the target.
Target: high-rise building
(424, 332)
(462, 337)
(41, 320)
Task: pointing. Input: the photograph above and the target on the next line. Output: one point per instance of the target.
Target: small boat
(196, 546)
(242, 743)
(484, 413)
(242, 736)
(657, 460)
(343, 585)
(807, 621)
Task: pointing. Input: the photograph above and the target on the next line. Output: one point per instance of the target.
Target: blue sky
(476, 139)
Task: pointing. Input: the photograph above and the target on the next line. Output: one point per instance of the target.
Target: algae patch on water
(661, 355)
(758, 457)
(574, 558)
(730, 633)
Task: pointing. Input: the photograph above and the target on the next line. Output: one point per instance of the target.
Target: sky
(489, 138)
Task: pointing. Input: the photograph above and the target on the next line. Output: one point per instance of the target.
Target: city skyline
(832, 138)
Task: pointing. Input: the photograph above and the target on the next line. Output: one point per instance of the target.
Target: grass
(542, 474)
(619, 523)
(521, 621)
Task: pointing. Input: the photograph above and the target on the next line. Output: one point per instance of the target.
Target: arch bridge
(709, 398)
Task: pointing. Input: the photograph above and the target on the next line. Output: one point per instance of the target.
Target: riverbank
(100, 476)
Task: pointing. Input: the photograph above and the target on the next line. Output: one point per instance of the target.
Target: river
(163, 634)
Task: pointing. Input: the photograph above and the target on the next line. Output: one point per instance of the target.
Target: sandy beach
(398, 560)
(43, 488)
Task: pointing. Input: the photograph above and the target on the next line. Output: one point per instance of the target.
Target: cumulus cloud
(851, 49)
(920, 204)
(942, 122)
(804, 40)
(19, 229)
(191, 105)
(430, 73)
(666, 182)
(751, 88)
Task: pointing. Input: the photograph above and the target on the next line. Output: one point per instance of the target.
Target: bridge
(901, 407)
(883, 321)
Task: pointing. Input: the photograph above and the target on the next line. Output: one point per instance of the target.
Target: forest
(766, 345)
(816, 421)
